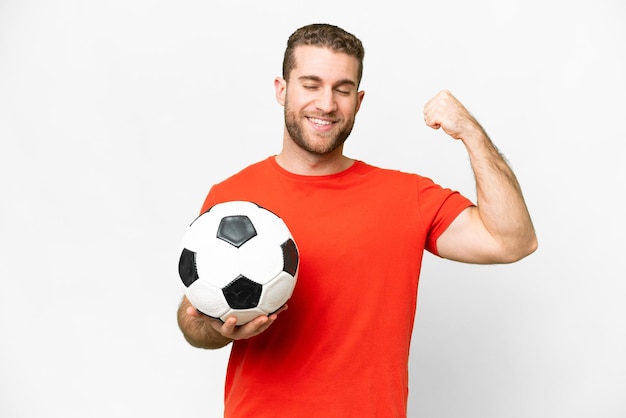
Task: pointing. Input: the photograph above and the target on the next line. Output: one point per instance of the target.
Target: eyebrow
(342, 82)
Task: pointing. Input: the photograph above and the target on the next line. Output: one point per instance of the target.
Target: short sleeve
(438, 207)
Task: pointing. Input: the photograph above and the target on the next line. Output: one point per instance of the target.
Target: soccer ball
(238, 259)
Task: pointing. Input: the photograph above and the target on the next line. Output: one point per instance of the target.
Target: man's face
(321, 99)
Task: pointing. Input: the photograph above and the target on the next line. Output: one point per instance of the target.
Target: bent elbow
(533, 245)
(521, 250)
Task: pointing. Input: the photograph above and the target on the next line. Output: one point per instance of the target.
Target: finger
(191, 311)
(431, 121)
(257, 325)
(437, 99)
(281, 309)
(431, 102)
(432, 112)
(229, 326)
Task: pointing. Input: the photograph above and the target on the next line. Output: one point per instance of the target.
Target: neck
(301, 162)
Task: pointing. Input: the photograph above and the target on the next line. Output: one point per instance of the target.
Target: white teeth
(320, 121)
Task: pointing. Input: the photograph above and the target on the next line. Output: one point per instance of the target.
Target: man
(341, 350)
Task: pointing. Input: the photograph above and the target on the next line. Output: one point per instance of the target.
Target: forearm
(500, 202)
(197, 330)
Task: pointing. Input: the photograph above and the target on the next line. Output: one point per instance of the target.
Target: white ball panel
(261, 259)
(269, 225)
(218, 263)
(277, 292)
(207, 299)
(198, 235)
(243, 315)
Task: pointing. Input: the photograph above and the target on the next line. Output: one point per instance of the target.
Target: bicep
(467, 240)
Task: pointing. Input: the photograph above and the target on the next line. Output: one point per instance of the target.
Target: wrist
(476, 138)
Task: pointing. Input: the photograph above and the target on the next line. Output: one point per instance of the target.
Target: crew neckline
(355, 166)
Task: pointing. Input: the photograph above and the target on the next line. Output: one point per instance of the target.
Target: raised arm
(498, 229)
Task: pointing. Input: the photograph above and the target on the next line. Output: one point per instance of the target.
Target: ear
(359, 97)
(280, 85)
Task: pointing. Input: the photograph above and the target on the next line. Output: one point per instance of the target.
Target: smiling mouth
(320, 122)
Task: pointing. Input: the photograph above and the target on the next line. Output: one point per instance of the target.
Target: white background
(117, 116)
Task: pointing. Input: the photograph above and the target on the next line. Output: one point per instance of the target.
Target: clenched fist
(446, 112)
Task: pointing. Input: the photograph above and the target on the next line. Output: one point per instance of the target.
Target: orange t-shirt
(342, 347)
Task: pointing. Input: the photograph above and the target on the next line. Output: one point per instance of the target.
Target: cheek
(349, 108)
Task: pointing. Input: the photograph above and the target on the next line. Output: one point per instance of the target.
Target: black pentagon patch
(290, 257)
(242, 293)
(236, 230)
(187, 267)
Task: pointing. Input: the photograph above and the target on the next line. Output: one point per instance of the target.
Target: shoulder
(252, 170)
(243, 185)
(391, 177)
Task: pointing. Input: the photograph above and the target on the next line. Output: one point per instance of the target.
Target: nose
(325, 101)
